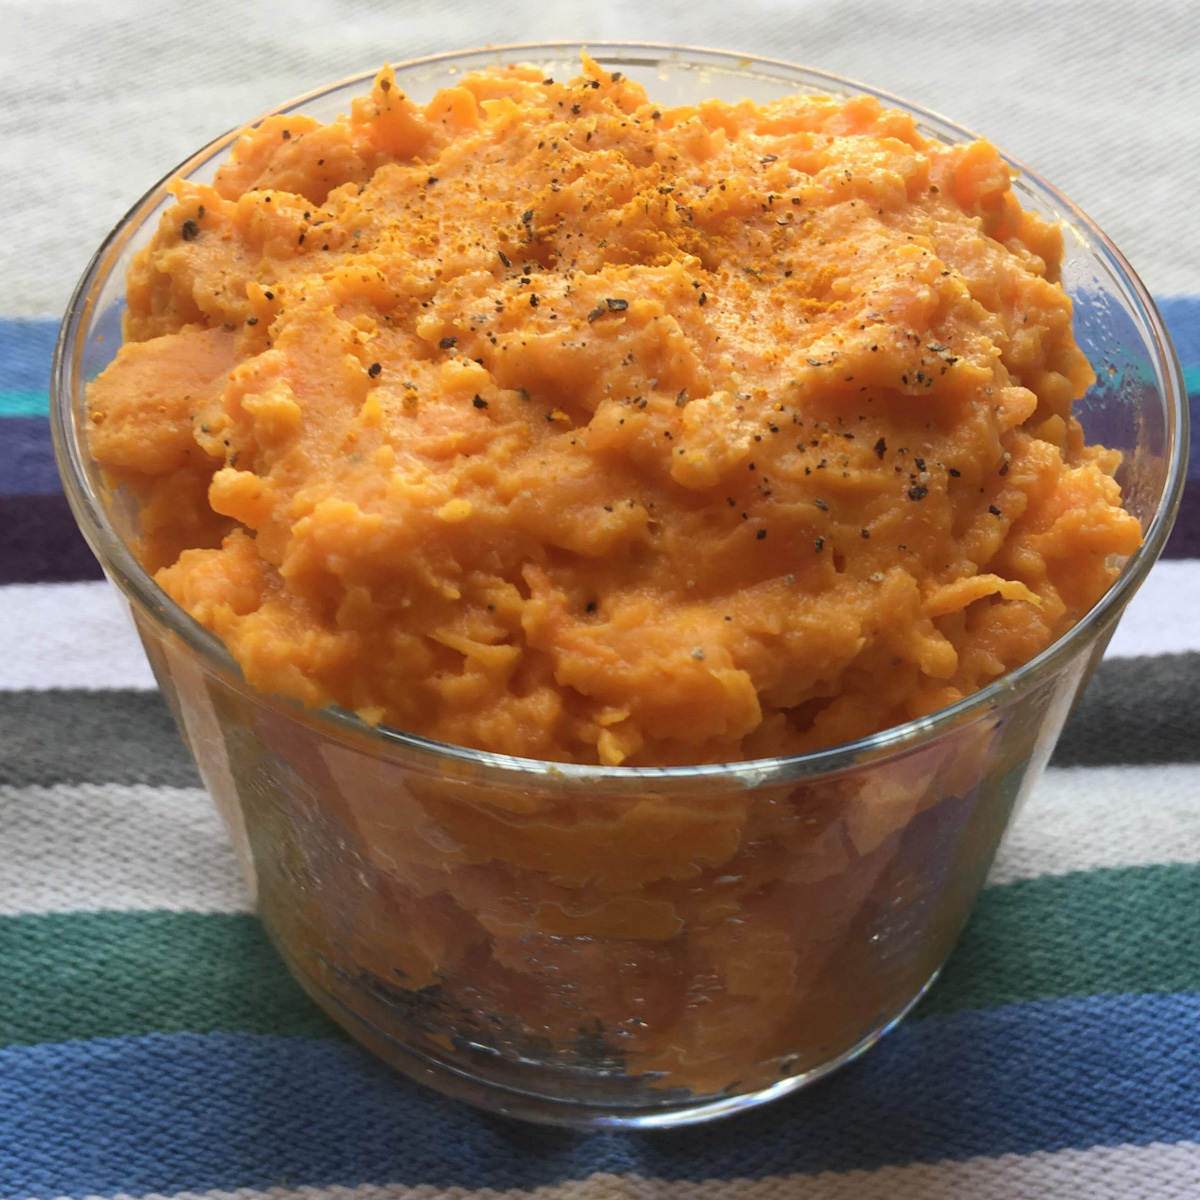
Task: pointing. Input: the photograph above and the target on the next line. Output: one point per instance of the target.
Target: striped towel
(150, 1041)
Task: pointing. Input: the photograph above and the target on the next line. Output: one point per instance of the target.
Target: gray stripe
(72, 736)
(1136, 710)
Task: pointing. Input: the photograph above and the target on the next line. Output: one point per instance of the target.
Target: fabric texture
(152, 1044)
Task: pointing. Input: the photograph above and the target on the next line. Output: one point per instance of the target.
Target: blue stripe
(190, 1112)
(1182, 315)
(26, 347)
(27, 344)
(26, 457)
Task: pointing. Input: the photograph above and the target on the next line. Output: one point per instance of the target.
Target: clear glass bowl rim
(140, 588)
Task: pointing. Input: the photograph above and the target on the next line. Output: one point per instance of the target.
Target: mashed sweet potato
(546, 421)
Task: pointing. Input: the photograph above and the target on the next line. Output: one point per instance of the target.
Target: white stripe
(1164, 617)
(1155, 1172)
(78, 635)
(99, 846)
(68, 635)
(1081, 818)
(103, 846)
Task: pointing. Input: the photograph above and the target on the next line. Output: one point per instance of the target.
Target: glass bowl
(626, 946)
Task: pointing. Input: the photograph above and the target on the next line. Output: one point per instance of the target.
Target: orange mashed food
(544, 420)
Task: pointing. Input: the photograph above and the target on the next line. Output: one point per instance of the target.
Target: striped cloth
(152, 1044)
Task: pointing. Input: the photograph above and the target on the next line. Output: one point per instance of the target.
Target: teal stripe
(24, 404)
(71, 976)
(80, 975)
(1113, 931)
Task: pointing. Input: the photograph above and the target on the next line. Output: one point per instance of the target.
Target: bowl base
(542, 1109)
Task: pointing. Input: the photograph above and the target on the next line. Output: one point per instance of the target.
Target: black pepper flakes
(287, 133)
(993, 510)
(821, 505)
(616, 305)
(374, 369)
(1004, 469)
(918, 492)
(762, 533)
(251, 320)
(953, 472)
(819, 545)
(479, 402)
(880, 448)
(504, 258)
(189, 230)
(533, 300)
(448, 343)
(866, 533)
(703, 298)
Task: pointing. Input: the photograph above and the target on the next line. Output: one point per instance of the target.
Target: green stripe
(104, 974)
(68, 976)
(1128, 929)
(24, 404)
